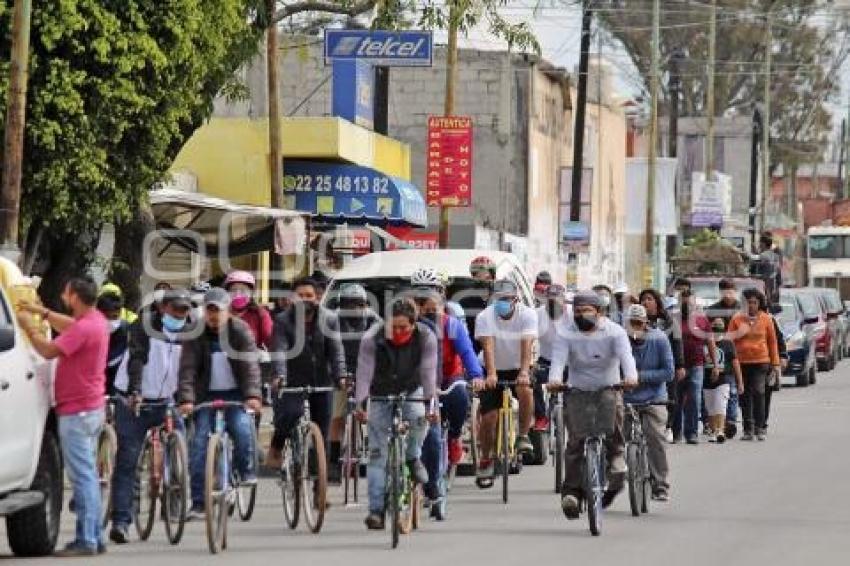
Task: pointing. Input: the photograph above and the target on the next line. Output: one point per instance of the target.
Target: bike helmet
(353, 292)
(426, 277)
(482, 263)
(239, 277)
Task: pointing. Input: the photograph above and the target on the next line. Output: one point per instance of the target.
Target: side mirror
(811, 320)
(7, 337)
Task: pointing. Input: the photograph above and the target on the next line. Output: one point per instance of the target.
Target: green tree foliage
(809, 45)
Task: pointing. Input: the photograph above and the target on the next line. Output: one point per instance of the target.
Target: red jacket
(260, 322)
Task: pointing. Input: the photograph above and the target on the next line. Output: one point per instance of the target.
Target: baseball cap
(218, 297)
(636, 312)
(505, 288)
(587, 299)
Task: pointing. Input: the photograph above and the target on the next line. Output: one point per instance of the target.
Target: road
(784, 501)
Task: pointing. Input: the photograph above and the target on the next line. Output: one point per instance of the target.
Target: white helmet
(426, 277)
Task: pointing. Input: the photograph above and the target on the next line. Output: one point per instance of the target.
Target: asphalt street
(784, 501)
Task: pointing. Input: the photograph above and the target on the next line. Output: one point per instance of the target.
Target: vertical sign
(575, 236)
(449, 161)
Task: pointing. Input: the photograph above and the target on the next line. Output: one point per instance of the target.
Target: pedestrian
(758, 353)
(717, 388)
(241, 285)
(654, 361)
(126, 314)
(110, 306)
(79, 389)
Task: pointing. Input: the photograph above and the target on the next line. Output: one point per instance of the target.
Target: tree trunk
(128, 257)
(64, 255)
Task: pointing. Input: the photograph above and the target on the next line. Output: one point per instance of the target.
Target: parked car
(796, 319)
(829, 342)
(31, 464)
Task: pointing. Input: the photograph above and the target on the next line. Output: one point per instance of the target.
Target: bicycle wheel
(505, 440)
(215, 493)
(246, 495)
(646, 487)
(314, 486)
(634, 477)
(175, 492)
(593, 485)
(394, 492)
(107, 447)
(146, 489)
(290, 485)
(559, 450)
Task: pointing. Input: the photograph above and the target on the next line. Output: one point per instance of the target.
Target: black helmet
(587, 299)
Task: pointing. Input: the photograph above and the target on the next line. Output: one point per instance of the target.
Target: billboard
(380, 47)
(449, 171)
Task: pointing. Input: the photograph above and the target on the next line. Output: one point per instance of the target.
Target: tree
(808, 50)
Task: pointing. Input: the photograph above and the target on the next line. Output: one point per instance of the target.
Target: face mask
(637, 336)
(605, 300)
(401, 338)
(240, 301)
(432, 316)
(172, 323)
(555, 310)
(586, 323)
(114, 325)
(504, 308)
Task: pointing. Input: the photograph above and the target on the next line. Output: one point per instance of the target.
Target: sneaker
(668, 435)
(431, 491)
(707, 431)
(77, 549)
(761, 436)
(660, 495)
(720, 438)
(523, 444)
(417, 469)
(485, 474)
(676, 439)
(693, 440)
(375, 521)
(196, 513)
(274, 458)
(119, 534)
(747, 436)
(541, 423)
(570, 507)
(712, 438)
(455, 451)
(609, 496)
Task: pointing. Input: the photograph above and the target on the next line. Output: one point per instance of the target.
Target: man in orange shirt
(755, 340)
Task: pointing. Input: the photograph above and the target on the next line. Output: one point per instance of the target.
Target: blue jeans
(239, 426)
(380, 423)
(131, 432)
(689, 393)
(453, 410)
(78, 435)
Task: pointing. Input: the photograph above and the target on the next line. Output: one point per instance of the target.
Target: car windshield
(808, 303)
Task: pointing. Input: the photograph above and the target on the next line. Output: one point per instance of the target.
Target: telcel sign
(391, 48)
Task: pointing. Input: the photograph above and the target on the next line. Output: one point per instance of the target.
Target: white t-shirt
(221, 373)
(596, 360)
(508, 333)
(547, 330)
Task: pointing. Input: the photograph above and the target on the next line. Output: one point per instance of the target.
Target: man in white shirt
(553, 309)
(507, 330)
(598, 355)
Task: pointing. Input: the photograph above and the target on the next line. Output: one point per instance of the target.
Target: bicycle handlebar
(402, 398)
(458, 383)
(219, 404)
(568, 389)
(305, 390)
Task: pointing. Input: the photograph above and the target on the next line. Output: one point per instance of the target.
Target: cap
(587, 299)
(218, 297)
(505, 288)
(178, 298)
(636, 312)
(544, 277)
(556, 291)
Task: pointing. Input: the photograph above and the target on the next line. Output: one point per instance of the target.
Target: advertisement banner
(387, 48)
(353, 92)
(574, 236)
(710, 200)
(449, 171)
(637, 179)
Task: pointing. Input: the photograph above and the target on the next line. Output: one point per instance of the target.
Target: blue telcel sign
(380, 47)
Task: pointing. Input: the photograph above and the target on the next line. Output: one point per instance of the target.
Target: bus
(828, 258)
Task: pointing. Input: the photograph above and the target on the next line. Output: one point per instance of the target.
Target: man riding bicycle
(456, 355)
(396, 358)
(307, 352)
(507, 330)
(554, 309)
(220, 364)
(597, 352)
(148, 374)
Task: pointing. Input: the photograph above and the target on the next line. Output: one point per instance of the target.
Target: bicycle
(403, 494)
(439, 507)
(162, 473)
(506, 435)
(221, 483)
(557, 436)
(107, 449)
(303, 471)
(637, 458)
(592, 417)
(353, 452)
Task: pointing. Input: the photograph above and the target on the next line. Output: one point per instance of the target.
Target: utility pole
(754, 175)
(841, 168)
(709, 141)
(845, 145)
(649, 238)
(275, 149)
(765, 130)
(449, 106)
(13, 142)
(675, 87)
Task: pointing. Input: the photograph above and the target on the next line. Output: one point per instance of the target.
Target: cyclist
(149, 373)
(507, 330)
(553, 310)
(609, 309)
(110, 305)
(241, 285)
(654, 361)
(221, 363)
(597, 353)
(541, 283)
(456, 356)
(355, 318)
(397, 357)
(126, 314)
(483, 268)
(308, 352)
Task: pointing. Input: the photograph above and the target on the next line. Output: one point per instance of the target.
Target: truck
(31, 472)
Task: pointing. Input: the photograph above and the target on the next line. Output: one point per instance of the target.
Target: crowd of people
(687, 370)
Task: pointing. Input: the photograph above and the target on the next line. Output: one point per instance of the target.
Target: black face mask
(432, 316)
(555, 310)
(586, 323)
(637, 338)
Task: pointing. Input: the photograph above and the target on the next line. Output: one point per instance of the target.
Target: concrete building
(523, 123)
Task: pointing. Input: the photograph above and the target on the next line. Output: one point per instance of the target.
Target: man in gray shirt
(599, 356)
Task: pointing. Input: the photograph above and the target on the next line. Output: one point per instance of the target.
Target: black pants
(289, 408)
(753, 400)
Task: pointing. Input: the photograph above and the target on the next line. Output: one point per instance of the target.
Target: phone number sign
(449, 161)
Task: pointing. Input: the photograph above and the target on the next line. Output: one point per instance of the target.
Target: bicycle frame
(506, 410)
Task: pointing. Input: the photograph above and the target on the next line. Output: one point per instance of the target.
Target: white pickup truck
(31, 478)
